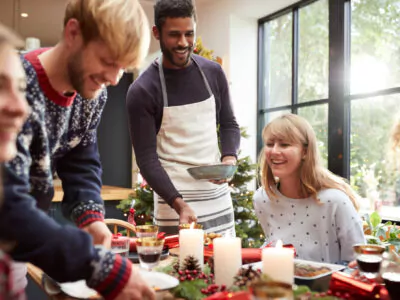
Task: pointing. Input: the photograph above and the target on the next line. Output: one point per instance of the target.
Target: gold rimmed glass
(190, 225)
(146, 231)
(271, 290)
(369, 258)
(149, 250)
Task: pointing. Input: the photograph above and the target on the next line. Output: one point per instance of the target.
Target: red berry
(223, 287)
(187, 272)
(180, 272)
(195, 272)
(211, 275)
(203, 291)
(189, 277)
(182, 278)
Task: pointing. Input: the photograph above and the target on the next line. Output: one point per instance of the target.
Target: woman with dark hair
(13, 111)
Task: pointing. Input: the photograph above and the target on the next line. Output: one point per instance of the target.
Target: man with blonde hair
(66, 93)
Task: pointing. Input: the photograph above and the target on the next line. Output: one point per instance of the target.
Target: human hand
(100, 233)
(136, 288)
(185, 212)
(227, 160)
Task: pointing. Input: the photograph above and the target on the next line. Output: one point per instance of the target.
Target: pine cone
(176, 266)
(210, 262)
(246, 276)
(191, 263)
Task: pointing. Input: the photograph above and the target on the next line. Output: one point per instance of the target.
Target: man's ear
(72, 32)
(156, 32)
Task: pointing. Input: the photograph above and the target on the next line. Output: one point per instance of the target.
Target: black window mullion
(263, 44)
(338, 113)
(295, 58)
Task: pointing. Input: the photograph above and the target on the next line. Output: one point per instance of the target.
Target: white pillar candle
(227, 259)
(278, 263)
(191, 242)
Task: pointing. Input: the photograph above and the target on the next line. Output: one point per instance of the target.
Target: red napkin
(249, 255)
(230, 296)
(345, 285)
(172, 241)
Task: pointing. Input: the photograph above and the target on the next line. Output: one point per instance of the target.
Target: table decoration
(227, 259)
(191, 242)
(278, 263)
(358, 288)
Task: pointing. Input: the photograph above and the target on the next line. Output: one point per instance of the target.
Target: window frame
(339, 96)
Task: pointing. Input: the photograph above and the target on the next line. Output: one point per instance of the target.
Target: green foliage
(144, 205)
(246, 222)
(190, 289)
(382, 233)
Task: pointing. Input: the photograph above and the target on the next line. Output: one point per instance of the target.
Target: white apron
(187, 138)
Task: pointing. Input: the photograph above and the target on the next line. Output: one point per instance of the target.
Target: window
(375, 103)
(337, 63)
(295, 67)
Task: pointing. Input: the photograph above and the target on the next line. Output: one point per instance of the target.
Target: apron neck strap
(164, 86)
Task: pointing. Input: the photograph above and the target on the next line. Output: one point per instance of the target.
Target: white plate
(333, 267)
(159, 281)
(78, 289)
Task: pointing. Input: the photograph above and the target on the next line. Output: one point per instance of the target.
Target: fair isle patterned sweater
(59, 136)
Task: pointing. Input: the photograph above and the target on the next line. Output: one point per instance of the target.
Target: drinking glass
(190, 225)
(120, 245)
(146, 231)
(390, 273)
(149, 250)
(369, 258)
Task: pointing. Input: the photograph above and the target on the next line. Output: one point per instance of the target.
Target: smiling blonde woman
(13, 112)
(300, 201)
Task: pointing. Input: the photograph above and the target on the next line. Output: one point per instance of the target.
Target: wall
(113, 137)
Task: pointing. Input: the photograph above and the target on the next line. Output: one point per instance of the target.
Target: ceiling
(45, 17)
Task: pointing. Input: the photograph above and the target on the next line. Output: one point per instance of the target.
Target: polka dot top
(323, 232)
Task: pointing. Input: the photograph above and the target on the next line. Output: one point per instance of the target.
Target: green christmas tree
(246, 223)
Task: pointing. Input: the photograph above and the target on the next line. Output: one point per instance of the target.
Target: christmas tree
(246, 223)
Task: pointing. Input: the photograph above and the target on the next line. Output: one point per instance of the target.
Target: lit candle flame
(192, 225)
(279, 244)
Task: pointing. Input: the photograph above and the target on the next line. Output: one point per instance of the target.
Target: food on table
(307, 270)
(209, 237)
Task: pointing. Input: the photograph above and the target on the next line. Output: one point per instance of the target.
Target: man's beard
(170, 56)
(76, 76)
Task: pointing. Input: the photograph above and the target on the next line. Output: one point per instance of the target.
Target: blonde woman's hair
(313, 175)
(395, 135)
(121, 24)
(7, 40)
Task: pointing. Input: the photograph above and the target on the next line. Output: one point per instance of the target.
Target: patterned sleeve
(348, 227)
(65, 253)
(80, 172)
